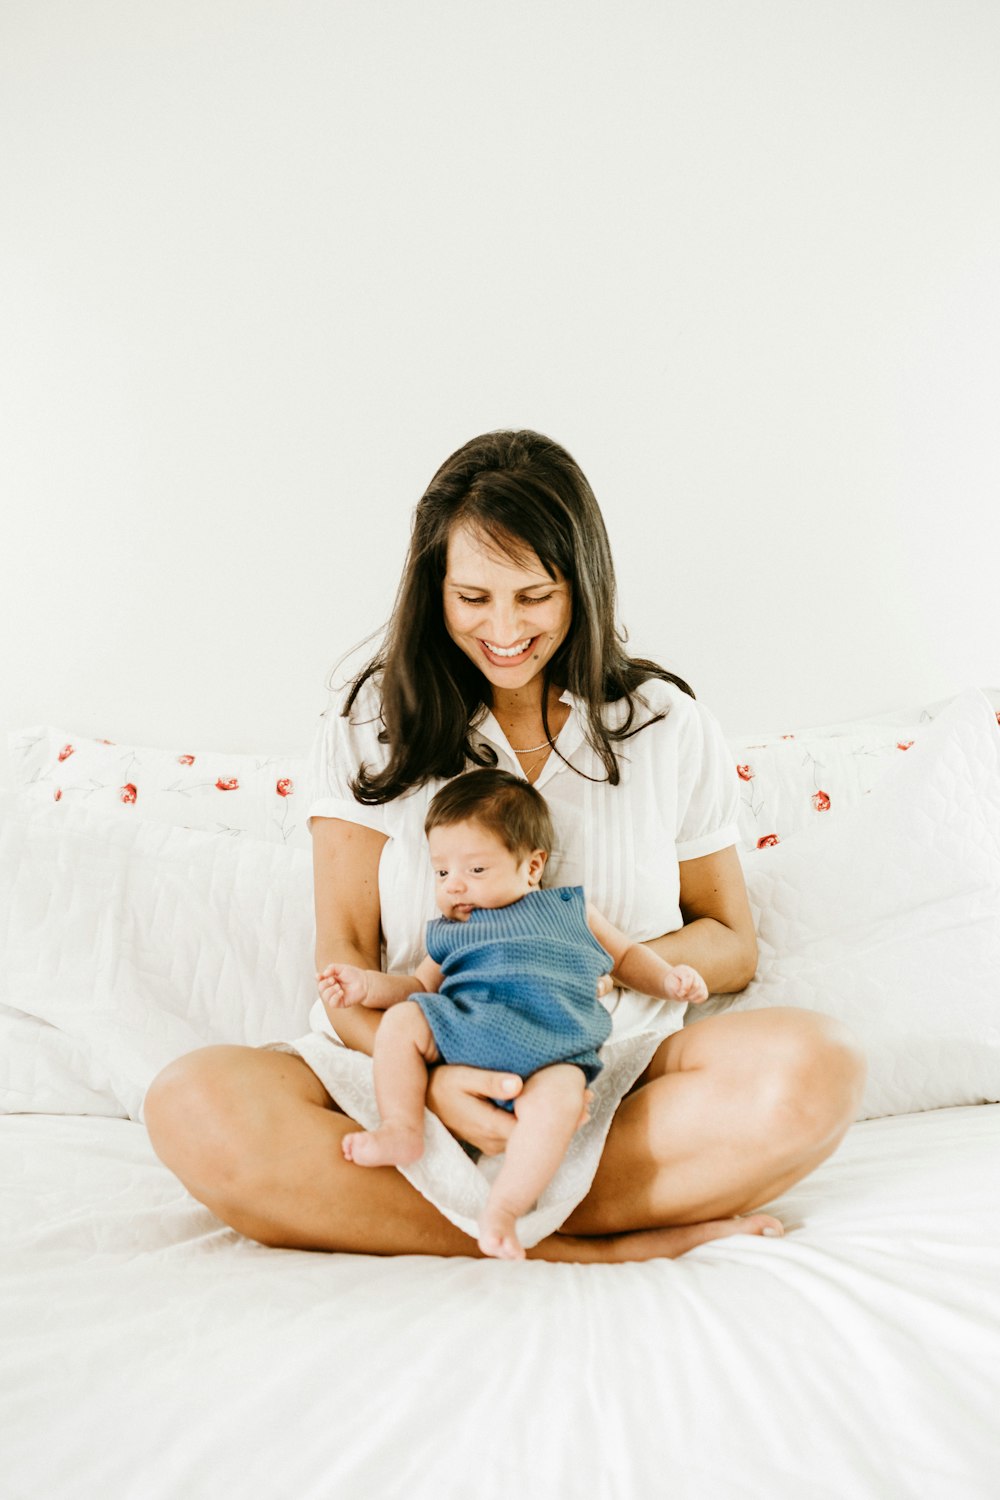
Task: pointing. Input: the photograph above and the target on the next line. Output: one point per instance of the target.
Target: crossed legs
(731, 1112)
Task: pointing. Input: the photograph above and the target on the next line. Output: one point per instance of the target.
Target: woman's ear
(536, 864)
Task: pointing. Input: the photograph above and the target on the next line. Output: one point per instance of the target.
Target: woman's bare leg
(731, 1112)
(548, 1113)
(253, 1135)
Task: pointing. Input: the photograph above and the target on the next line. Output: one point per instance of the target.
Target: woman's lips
(497, 660)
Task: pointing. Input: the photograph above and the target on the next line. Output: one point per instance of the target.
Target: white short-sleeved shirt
(678, 799)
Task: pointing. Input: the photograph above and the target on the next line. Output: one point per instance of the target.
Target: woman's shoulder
(654, 701)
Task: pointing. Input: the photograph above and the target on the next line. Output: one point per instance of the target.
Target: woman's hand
(462, 1098)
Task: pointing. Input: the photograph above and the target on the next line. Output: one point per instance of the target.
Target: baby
(509, 982)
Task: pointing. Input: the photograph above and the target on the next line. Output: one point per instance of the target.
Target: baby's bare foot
(498, 1235)
(388, 1146)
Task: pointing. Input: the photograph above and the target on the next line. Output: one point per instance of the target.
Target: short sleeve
(339, 749)
(708, 796)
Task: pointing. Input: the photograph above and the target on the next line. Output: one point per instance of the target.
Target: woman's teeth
(517, 650)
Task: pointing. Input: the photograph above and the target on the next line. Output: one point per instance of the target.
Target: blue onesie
(519, 986)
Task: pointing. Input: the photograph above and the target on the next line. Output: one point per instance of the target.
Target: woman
(502, 649)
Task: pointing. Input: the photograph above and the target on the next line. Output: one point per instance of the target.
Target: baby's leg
(548, 1111)
(404, 1045)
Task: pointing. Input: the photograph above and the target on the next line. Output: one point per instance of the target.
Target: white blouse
(678, 799)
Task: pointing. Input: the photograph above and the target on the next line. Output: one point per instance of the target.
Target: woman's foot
(388, 1146)
(654, 1244)
(498, 1235)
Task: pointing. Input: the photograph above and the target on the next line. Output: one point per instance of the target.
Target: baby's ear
(536, 864)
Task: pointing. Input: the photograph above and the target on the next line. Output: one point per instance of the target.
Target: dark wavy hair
(522, 493)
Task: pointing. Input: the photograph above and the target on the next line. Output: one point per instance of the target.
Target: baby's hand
(341, 985)
(685, 983)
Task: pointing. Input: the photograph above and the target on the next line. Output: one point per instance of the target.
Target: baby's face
(473, 868)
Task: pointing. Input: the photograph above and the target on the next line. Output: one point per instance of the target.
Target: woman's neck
(519, 713)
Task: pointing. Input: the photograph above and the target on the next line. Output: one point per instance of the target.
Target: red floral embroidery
(105, 742)
(821, 802)
(185, 760)
(903, 744)
(57, 794)
(788, 736)
(65, 752)
(227, 786)
(285, 787)
(745, 773)
(129, 792)
(767, 841)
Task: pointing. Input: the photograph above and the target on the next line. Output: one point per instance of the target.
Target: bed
(149, 1351)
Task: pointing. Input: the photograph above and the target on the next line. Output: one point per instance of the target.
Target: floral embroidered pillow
(792, 781)
(261, 796)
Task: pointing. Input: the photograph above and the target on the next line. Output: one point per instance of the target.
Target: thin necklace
(530, 749)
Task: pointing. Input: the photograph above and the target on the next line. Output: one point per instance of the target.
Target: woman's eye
(464, 598)
(543, 600)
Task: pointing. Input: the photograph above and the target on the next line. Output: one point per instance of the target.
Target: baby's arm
(344, 984)
(639, 968)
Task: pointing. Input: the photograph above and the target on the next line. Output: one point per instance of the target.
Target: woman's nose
(503, 625)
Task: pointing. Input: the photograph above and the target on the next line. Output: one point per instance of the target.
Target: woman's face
(509, 617)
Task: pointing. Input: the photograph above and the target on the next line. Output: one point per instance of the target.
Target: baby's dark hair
(503, 803)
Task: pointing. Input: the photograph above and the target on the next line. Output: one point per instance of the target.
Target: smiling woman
(502, 651)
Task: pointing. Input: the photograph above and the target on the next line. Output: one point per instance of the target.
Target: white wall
(266, 264)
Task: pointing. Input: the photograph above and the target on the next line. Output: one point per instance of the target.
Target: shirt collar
(572, 744)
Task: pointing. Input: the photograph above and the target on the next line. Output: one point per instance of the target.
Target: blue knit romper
(519, 986)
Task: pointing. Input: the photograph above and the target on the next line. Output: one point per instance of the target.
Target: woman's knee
(203, 1113)
(812, 1086)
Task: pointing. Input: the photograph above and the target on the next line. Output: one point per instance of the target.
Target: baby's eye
(479, 869)
(441, 874)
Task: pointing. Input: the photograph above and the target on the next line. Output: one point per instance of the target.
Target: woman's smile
(510, 655)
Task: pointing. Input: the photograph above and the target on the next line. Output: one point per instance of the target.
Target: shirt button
(566, 893)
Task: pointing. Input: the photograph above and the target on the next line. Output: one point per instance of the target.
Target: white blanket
(149, 1353)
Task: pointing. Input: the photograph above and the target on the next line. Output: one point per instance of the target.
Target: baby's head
(489, 834)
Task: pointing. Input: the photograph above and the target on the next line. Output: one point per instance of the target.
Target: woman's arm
(718, 937)
(348, 913)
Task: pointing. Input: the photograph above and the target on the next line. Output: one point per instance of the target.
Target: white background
(266, 264)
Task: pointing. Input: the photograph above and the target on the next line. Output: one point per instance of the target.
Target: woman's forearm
(726, 960)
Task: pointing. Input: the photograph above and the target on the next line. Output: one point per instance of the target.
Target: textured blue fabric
(519, 986)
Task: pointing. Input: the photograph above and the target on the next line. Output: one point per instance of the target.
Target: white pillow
(791, 781)
(263, 796)
(888, 917)
(136, 942)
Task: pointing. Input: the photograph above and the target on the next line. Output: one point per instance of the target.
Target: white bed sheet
(149, 1352)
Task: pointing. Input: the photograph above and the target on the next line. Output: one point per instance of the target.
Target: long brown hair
(522, 493)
